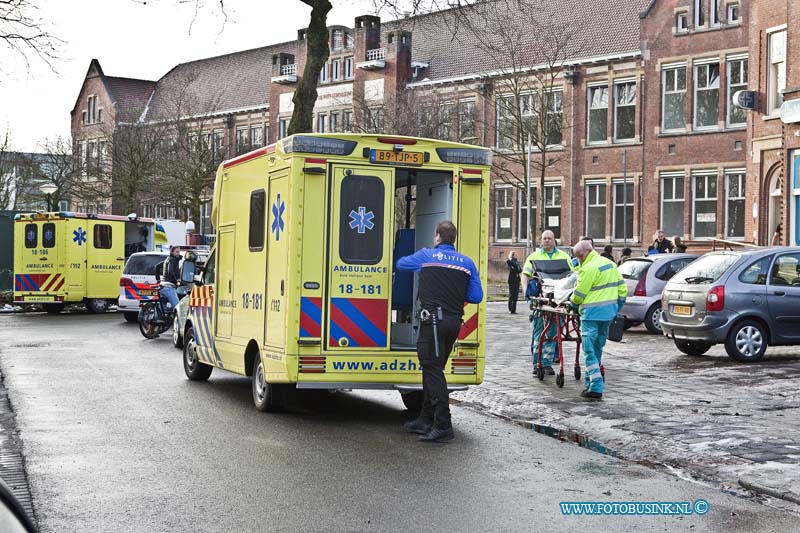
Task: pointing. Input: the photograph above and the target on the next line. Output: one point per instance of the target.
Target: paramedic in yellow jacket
(548, 262)
(600, 294)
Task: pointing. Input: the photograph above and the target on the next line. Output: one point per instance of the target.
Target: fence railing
(728, 245)
(376, 54)
(288, 70)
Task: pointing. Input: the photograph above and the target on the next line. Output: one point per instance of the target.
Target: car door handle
(779, 293)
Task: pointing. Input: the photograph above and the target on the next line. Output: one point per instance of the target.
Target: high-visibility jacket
(554, 265)
(601, 291)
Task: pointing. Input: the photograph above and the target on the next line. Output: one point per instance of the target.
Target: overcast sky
(135, 39)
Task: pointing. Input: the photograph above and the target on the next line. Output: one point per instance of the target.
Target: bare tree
(7, 174)
(23, 34)
(529, 43)
(57, 169)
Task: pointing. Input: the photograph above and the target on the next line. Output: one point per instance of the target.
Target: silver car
(746, 300)
(646, 278)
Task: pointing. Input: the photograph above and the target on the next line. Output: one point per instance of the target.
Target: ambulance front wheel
(413, 400)
(195, 370)
(266, 396)
(96, 306)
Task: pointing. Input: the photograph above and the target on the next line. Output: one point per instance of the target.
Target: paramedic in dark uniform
(447, 279)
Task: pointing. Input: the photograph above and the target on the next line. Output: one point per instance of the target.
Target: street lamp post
(48, 189)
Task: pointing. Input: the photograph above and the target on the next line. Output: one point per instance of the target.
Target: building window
(347, 119)
(699, 13)
(334, 122)
(466, 121)
(734, 205)
(348, 68)
(505, 123)
(733, 13)
(219, 143)
(92, 107)
(84, 116)
(704, 221)
(206, 228)
(528, 108)
(349, 41)
(522, 213)
(336, 69)
(256, 136)
(446, 116)
(258, 209)
(672, 196)
(625, 111)
(715, 5)
(623, 211)
(598, 115)
(283, 124)
(706, 96)
(553, 136)
(737, 81)
(776, 82)
(242, 140)
(674, 99)
(682, 22)
(596, 210)
(375, 119)
(552, 209)
(338, 40)
(504, 208)
(323, 74)
(321, 122)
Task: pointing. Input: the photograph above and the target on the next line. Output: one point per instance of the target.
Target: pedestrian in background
(680, 246)
(626, 254)
(600, 294)
(514, 270)
(447, 279)
(608, 253)
(776, 237)
(661, 244)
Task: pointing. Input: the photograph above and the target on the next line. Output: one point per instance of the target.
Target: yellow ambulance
(67, 257)
(301, 289)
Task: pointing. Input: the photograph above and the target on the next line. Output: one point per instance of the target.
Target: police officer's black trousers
(436, 406)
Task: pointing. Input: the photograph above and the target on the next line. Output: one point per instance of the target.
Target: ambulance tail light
(59, 298)
(464, 365)
(318, 145)
(312, 364)
(396, 140)
(19, 298)
(465, 156)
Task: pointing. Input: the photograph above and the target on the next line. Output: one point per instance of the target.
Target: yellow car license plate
(681, 310)
(147, 293)
(390, 157)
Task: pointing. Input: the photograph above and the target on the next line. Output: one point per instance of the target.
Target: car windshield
(634, 268)
(707, 269)
(139, 265)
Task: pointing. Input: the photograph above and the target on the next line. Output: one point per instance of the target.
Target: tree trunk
(317, 52)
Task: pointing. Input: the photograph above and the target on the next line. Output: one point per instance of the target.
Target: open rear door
(359, 258)
(468, 202)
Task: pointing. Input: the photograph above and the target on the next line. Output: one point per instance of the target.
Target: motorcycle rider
(170, 276)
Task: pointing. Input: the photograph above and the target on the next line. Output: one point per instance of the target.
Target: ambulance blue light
(159, 227)
(318, 145)
(465, 156)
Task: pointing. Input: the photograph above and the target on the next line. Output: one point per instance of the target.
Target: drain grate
(12, 462)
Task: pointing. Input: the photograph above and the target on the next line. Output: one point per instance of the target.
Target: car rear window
(707, 269)
(634, 268)
(139, 265)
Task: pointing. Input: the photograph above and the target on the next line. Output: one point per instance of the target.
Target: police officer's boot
(438, 435)
(419, 425)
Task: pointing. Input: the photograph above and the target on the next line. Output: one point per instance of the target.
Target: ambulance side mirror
(187, 272)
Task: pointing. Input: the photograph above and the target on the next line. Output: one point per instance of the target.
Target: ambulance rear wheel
(177, 338)
(131, 317)
(413, 400)
(96, 306)
(53, 309)
(195, 370)
(266, 396)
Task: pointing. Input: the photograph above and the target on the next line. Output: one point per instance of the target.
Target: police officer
(548, 262)
(600, 293)
(447, 279)
(170, 275)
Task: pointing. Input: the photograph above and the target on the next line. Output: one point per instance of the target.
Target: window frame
(45, 242)
(707, 88)
(500, 117)
(775, 97)
(98, 235)
(466, 116)
(742, 176)
(260, 129)
(255, 245)
(715, 19)
(734, 8)
(322, 122)
(349, 67)
(345, 231)
(283, 126)
(336, 70)
(673, 91)
(629, 205)
(734, 87)
(617, 105)
(699, 14)
(522, 207)
(590, 107)
(550, 204)
(705, 199)
(598, 197)
(508, 195)
(674, 199)
(242, 141)
(682, 16)
(323, 73)
(35, 242)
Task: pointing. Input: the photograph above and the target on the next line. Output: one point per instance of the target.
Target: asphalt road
(117, 439)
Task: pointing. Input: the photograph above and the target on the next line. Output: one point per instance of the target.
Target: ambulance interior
(138, 237)
(423, 198)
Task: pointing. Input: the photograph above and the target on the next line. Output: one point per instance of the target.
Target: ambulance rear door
(359, 258)
(105, 240)
(37, 260)
(470, 218)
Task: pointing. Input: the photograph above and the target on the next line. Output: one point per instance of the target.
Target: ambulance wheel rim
(176, 336)
(261, 384)
(191, 353)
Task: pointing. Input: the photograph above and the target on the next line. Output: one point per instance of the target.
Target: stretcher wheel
(577, 372)
(540, 372)
(560, 380)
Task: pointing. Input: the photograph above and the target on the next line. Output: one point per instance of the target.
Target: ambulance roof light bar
(318, 145)
(465, 156)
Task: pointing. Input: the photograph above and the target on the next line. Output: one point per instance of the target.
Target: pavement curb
(12, 460)
(755, 486)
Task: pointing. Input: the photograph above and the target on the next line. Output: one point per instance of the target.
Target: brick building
(648, 137)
